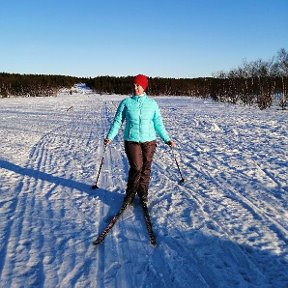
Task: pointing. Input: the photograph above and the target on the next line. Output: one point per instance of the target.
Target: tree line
(257, 82)
(32, 85)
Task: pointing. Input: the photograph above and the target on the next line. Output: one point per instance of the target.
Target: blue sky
(160, 38)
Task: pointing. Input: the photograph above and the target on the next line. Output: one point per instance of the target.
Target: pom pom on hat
(141, 80)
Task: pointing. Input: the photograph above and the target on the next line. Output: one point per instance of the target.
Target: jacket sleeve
(159, 126)
(117, 122)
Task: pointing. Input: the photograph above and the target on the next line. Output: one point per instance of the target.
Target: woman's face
(138, 89)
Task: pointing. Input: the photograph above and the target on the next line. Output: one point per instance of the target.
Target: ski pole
(100, 167)
(182, 179)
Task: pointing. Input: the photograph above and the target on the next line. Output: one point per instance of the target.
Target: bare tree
(283, 73)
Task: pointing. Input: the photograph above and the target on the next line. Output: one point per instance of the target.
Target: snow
(225, 226)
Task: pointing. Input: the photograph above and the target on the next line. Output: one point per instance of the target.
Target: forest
(260, 82)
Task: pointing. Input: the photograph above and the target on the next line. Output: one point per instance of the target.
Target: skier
(143, 121)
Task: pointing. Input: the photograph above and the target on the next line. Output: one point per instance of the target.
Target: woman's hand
(107, 141)
(170, 143)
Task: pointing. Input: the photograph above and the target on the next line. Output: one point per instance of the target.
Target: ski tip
(153, 242)
(96, 242)
(99, 239)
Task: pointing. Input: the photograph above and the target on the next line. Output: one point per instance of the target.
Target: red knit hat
(142, 80)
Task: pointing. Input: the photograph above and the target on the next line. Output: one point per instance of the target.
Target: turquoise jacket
(143, 120)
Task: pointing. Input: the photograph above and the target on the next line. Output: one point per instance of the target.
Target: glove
(170, 143)
(107, 141)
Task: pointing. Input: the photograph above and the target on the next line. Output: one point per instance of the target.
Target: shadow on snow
(188, 258)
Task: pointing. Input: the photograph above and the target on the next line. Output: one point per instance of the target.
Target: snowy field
(225, 226)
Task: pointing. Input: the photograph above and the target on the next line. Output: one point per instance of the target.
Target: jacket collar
(140, 98)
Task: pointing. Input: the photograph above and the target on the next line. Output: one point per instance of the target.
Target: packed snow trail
(225, 226)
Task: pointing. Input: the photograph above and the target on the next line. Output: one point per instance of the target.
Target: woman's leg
(134, 154)
(148, 150)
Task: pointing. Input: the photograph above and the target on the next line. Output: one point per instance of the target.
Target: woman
(143, 121)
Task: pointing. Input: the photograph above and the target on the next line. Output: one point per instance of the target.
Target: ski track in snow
(225, 226)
